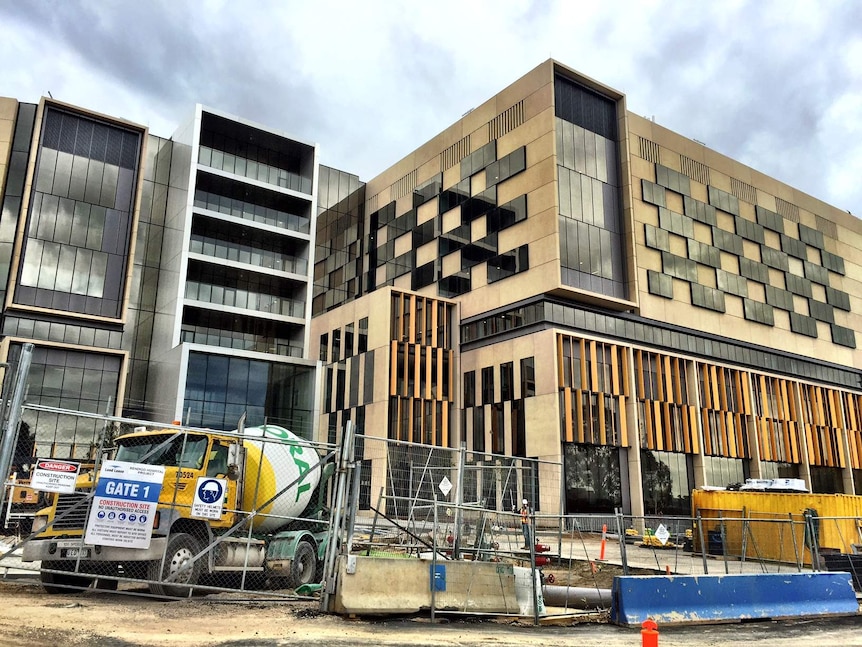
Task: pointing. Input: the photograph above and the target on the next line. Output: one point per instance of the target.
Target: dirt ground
(30, 617)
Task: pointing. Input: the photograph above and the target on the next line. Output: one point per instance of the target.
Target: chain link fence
(168, 510)
(260, 511)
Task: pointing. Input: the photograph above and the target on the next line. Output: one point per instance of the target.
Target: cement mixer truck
(271, 479)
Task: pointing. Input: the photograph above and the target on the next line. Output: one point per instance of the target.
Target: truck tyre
(54, 583)
(303, 566)
(181, 549)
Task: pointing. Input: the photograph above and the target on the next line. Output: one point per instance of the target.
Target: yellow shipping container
(772, 526)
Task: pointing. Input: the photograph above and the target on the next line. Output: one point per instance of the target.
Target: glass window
(469, 388)
(528, 377)
(488, 385)
(507, 381)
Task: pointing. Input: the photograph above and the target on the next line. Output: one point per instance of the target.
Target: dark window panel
(507, 167)
(508, 264)
(759, 312)
(478, 160)
(774, 258)
(810, 236)
(832, 262)
(585, 107)
(727, 241)
(673, 180)
(837, 298)
(653, 193)
(749, 230)
(705, 297)
(779, 298)
(753, 270)
(424, 275)
(794, 247)
(803, 325)
(723, 200)
(699, 211)
(704, 254)
(678, 267)
(797, 284)
(676, 223)
(843, 336)
(815, 273)
(660, 284)
(821, 311)
(731, 283)
(769, 219)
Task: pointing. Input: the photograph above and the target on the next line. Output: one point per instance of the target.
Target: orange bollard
(649, 633)
(604, 541)
(667, 568)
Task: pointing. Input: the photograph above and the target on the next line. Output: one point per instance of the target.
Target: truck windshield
(172, 450)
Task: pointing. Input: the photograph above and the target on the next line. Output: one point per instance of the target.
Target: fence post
(353, 504)
(533, 536)
(329, 567)
(459, 501)
(374, 522)
(703, 546)
(618, 512)
(795, 545)
(433, 577)
(10, 433)
(723, 542)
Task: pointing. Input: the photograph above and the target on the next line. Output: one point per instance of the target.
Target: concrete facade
(645, 310)
(551, 277)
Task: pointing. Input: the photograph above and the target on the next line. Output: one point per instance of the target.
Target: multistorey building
(555, 277)
(230, 332)
(551, 277)
(161, 279)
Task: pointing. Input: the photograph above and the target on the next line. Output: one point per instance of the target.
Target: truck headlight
(40, 522)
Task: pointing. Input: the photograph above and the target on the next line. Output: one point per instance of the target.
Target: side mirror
(233, 472)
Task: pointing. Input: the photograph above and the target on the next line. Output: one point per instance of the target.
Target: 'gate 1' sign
(52, 475)
(124, 505)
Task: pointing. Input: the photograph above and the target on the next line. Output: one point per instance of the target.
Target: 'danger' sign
(52, 475)
(124, 505)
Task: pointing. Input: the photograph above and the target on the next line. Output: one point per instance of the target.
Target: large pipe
(575, 597)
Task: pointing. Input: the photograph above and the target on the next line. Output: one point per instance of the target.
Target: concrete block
(382, 585)
(692, 599)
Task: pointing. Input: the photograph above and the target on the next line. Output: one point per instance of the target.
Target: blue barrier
(686, 599)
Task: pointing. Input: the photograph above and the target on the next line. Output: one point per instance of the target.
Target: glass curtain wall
(591, 235)
(80, 217)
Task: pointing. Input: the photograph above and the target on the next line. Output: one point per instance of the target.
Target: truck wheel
(181, 549)
(303, 566)
(54, 583)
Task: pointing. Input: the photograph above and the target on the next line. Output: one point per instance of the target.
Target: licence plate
(75, 552)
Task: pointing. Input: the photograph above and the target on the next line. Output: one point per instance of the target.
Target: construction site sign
(50, 475)
(209, 496)
(124, 505)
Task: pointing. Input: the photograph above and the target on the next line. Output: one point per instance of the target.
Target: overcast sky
(777, 85)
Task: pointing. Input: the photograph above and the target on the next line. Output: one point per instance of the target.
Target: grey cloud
(757, 80)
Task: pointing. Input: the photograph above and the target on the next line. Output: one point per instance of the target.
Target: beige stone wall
(842, 234)
(8, 113)
(542, 419)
